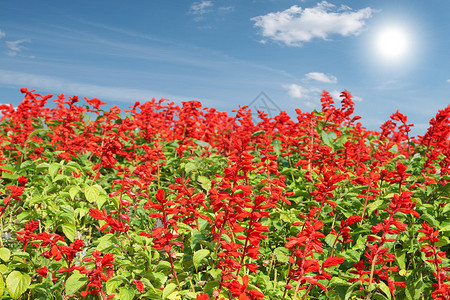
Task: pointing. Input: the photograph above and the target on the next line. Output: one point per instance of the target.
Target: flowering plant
(170, 202)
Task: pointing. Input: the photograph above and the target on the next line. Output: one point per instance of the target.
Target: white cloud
(200, 8)
(15, 46)
(321, 77)
(309, 96)
(448, 80)
(296, 91)
(337, 97)
(2, 34)
(297, 25)
(335, 94)
(226, 9)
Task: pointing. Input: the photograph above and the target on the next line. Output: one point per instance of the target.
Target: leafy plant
(169, 202)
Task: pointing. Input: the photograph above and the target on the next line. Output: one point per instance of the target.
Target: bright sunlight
(393, 43)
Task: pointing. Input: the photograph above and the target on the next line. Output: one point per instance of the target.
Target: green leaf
(330, 239)
(256, 133)
(100, 201)
(328, 138)
(216, 274)
(351, 255)
(5, 254)
(445, 226)
(202, 143)
(349, 292)
(385, 289)
(53, 168)
(373, 206)
(429, 219)
(69, 230)
(73, 192)
(126, 293)
(21, 254)
(113, 283)
(9, 175)
(168, 289)
(360, 243)
(91, 193)
(27, 164)
(164, 265)
(413, 288)
(37, 131)
(158, 278)
(204, 182)
(443, 241)
(59, 177)
(175, 296)
(95, 194)
(3, 269)
(210, 287)
(75, 165)
(67, 213)
(336, 281)
(189, 167)
(75, 282)
(105, 242)
(282, 254)
(379, 296)
(446, 207)
(81, 212)
(17, 283)
(400, 256)
(2, 286)
(199, 256)
(42, 166)
(196, 237)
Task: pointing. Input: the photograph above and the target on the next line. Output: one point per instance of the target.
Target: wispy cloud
(226, 9)
(337, 96)
(448, 80)
(161, 50)
(2, 34)
(212, 70)
(296, 25)
(200, 8)
(56, 85)
(310, 96)
(321, 77)
(15, 47)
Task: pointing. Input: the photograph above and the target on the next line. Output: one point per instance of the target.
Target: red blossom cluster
(324, 153)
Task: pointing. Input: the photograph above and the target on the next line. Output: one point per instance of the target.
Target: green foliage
(167, 204)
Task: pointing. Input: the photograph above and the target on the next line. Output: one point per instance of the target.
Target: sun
(393, 43)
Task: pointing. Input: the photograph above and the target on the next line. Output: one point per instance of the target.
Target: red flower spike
(332, 261)
(42, 271)
(139, 285)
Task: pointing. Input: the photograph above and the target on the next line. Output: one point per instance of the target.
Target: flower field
(168, 202)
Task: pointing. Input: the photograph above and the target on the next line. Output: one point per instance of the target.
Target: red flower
(22, 180)
(139, 285)
(332, 261)
(42, 271)
(94, 102)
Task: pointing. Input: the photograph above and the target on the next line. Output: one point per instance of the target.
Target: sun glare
(392, 43)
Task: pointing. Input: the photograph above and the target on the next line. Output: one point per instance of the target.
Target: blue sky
(389, 54)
